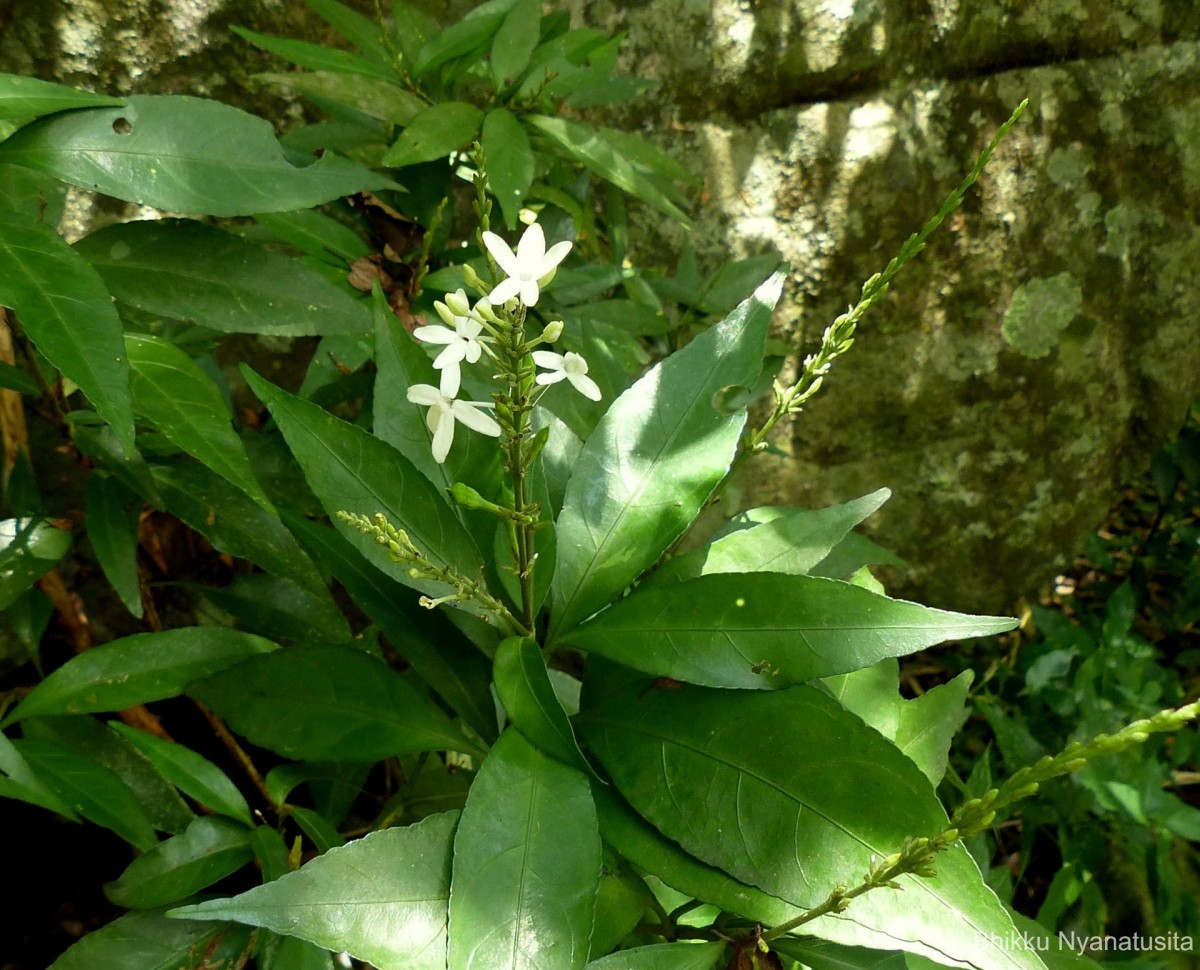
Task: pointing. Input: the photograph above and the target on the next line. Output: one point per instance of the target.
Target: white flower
(444, 411)
(461, 335)
(570, 366)
(530, 268)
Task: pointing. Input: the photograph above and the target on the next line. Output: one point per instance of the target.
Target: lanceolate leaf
(177, 397)
(138, 669)
(382, 898)
(769, 786)
(641, 477)
(209, 850)
(316, 57)
(112, 527)
(201, 274)
(664, 956)
(435, 133)
(329, 704)
(182, 154)
(928, 724)
(21, 782)
(509, 159)
(63, 306)
(362, 33)
(774, 540)
(27, 97)
(29, 548)
(514, 42)
(353, 471)
(767, 630)
(524, 688)
(150, 941)
(526, 865)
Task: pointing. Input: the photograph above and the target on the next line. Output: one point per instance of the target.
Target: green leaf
(435, 133)
(382, 898)
(209, 850)
(184, 155)
(316, 234)
(138, 669)
(353, 471)
(316, 57)
(758, 784)
(150, 941)
(589, 147)
(663, 956)
(181, 400)
(378, 99)
(364, 34)
(201, 274)
(514, 43)
(774, 540)
(66, 311)
(318, 703)
(232, 521)
(645, 155)
(275, 606)
(35, 195)
(14, 379)
(510, 165)
(457, 39)
(27, 97)
(288, 953)
(928, 724)
(767, 630)
(23, 783)
(94, 791)
(823, 955)
(613, 527)
(320, 831)
(29, 548)
(432, 647)
(112, 527)
(192, 774)
(873, 693)
(524, 688)
(88, 738)
(526, 864)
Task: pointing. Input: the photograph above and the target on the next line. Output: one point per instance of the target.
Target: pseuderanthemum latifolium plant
(485, 709)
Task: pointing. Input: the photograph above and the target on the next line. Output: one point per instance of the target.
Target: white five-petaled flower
(569, 366)
(444, 411)
(528, 269)
(461, 335)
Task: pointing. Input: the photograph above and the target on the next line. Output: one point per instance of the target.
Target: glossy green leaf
(63, 306)
(514, 43)
(510, 164)
(589, 147)
(524, 688)
(320, 703)
(621, 901)
(435, 133)
(320, 831)
(209, 850)
(672, 446)
(138, 669)
(382, 898)
(774, 540)
(184, 155)
(172, 392)
(191, 773)
(274, 606)
(767, 630)
(364, 34)
(232, 521)
(851, 554)
(432, 647)
(316, 234)
(14, 379)
(150, 941)
(378, 99)
(663, 956)
(112, 528)
(88, 738)
(288, 953)
(353, 471)
(94, 791)
(873, 693)
(823, 955)
(201, 274)
(27, 97)
(315, 57)
(644, 154)
(457, 39)
(29, 548)
(759, 785)
(21, 782)
(928, 724)
(526, 864)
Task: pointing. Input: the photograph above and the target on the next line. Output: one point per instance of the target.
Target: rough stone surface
(1045, 343)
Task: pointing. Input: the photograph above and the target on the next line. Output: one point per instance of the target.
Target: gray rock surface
(1037, 353)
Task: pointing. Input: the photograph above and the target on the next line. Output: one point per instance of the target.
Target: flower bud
(552, 332)
(472, 279)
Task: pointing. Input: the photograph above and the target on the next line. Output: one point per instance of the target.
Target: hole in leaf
(731, 398)
(122, 126)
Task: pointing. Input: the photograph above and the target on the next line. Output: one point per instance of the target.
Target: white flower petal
(584, 385)
(505, 291)
(476, 420)
(450, 357)
(472, 351)
(531, 249)
(443, 437)
(504, 257)
(435, 334)
(451, 380)
(551, 377)
(548, 359)
(425, 394)
(529, 292)
(556, 254)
